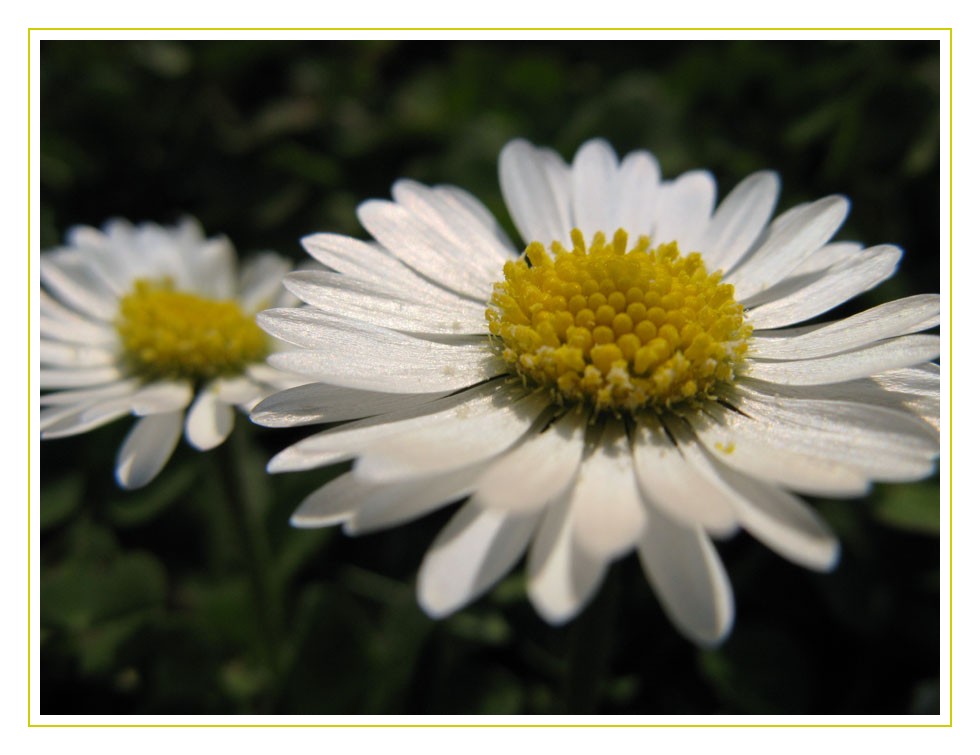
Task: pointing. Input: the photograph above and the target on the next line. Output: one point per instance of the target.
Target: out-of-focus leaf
(913, 507)
(480, 626)
(623, 688)
(502, 694)
(134, 509)
(759, 671)
(926, 699)
(99, 646)
(60, 499)
(396, 648)
(83, 593)
(242, 680)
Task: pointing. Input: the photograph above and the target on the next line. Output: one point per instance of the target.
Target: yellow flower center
(171, 334)
(621, 329)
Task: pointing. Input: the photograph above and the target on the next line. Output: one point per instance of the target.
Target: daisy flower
(646, 376)
(149, 321)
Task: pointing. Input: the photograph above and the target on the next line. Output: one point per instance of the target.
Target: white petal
(894, 390)
(206, 265)
(740, 443)
(676, 487)
(384, 506)
(788, 245)
(888, 320)
(52, 415)
(317, 403)
(454, 220)
(361, 356)
(386, 306)
(739, 220)
(449, 445)
(238, 391)
(904, 351)
(921, 380)
(536, 185)
(71, 280)
(684, 207)
(162, 397)
(482, 215)
(593, 175)
(684, 570)
(885, 444)
(373, 263)
(88, 395)
(474, 550)
(62, 422)
(346, 442)
(61, 354)
(147, 447)
(264, 379)
(64, 324)
(562, 577)
(75, 333)
(209, 421)
(261, 281)
(607, 513)
(536, 472)
(823, 292)
(79, 377)
(783, 522)
(85, 236)
(333, 503)
(828, 256)
(423, 248)
(638, 189)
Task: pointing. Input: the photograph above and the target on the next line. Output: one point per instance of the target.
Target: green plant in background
(272, 141)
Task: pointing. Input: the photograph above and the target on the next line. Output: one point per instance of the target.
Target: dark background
(146, 604)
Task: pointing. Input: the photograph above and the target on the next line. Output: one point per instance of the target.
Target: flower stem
(589, 643)
(243, 509)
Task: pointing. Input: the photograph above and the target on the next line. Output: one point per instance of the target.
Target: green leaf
(909, 507)
(759, 671)
(99, 647)
(83, 593)
(60, 499)
(483, 627)
(130, 510)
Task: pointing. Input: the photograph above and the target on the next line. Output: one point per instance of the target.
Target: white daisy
(616, 395)
(147, 321)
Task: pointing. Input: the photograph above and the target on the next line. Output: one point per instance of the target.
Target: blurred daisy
(149, 321)
(636, 380)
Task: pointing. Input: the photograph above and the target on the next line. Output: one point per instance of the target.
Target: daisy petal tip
(436, 603)
(831, 554)
(352, 529)
(840, 204)
(204, 444)
(276, 465)
(714, 637)
(371, 209)
(596, 146)
(820, 556)
(722, 530)
(433, 610)
(513, 146)
(554, 614)
(127, 480)
(302, 521)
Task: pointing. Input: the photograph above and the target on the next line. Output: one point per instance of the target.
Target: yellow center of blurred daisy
(171, 334)
(617, 327)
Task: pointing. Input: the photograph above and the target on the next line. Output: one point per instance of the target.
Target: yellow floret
(175, 335)
(618, 327)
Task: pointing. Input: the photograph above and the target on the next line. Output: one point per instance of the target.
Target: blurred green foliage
(148, 599)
